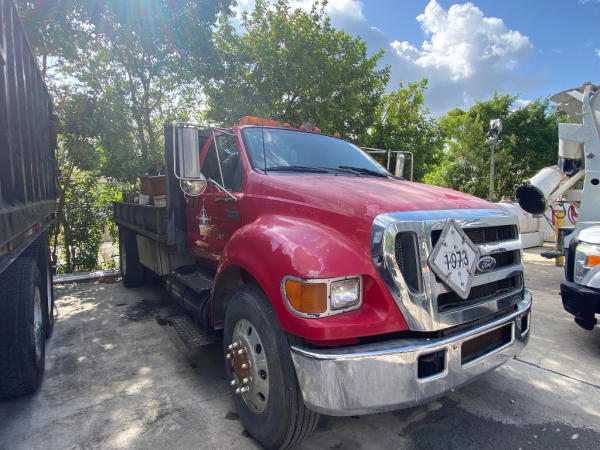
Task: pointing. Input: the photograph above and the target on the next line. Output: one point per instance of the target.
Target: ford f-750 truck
(338, 287)
(27, 208)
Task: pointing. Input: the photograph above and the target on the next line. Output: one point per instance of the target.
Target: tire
(132, 270)
(282, 420)
(40, 251)
(22, 332)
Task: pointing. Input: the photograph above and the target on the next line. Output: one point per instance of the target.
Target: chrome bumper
(379, 377)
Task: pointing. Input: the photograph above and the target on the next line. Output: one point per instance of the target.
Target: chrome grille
(483, 235)
(489, 240)
(435, 306)
(479, 293)
(405, 249)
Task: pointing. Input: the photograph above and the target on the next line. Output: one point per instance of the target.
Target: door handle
(226, 200)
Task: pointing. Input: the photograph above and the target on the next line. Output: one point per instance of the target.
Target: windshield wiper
(364, 171)
(297, 169)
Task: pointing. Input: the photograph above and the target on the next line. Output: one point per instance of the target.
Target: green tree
(117, 69)
(293, 66)
(403, 123)
(529, 143)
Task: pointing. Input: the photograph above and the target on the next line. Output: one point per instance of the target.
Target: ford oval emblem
(486, 263)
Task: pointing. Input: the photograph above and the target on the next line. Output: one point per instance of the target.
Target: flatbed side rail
(147, 220)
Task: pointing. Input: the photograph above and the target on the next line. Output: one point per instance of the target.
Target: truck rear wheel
(22, 332)
(132, 270)
(261, 372)
(40, 251)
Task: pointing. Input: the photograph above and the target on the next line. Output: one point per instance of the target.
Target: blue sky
(467, 50)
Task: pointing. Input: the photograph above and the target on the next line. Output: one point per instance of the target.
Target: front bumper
(581, 301)
(384, 376)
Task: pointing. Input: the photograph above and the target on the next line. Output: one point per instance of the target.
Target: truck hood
(364, 196)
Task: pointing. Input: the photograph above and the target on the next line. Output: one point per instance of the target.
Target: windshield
(302, 151)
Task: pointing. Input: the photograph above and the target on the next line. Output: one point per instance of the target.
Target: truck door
(215, 215)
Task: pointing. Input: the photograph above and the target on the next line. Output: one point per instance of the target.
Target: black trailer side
(27, 207)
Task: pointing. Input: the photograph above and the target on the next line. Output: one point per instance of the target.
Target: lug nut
(229, 355)
(246, 365)
(241, 351)
(246, 380)
(236, 344)
(233, 382)
(242, 390)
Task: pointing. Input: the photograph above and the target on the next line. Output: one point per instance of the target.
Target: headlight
(587, 256)
(322, 297)
(345, 293)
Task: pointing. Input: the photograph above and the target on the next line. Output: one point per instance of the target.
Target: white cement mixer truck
(576, 178)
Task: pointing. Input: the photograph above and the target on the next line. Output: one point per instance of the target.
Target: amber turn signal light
(307, 298)
(593, 260)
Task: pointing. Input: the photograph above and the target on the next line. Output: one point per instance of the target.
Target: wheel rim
(38, 323)
(249, 366)
(49, 292)
(123, 257)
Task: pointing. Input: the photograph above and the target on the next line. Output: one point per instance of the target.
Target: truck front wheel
(261, 372)
(132, 270)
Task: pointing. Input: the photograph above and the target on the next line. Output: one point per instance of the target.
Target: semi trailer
(27, 208)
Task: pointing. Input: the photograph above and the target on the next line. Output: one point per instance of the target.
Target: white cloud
(465, 55)
(463, 43)
(521, 103)
(598, 52)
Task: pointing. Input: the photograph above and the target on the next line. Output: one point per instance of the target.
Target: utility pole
(493, 140)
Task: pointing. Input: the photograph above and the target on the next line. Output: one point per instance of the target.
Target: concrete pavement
(116, 378)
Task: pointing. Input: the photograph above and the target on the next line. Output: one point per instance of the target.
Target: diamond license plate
(454, 259)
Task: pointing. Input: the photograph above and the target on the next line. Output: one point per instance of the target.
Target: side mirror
(399, 169)
(186, 154)
(187, 151)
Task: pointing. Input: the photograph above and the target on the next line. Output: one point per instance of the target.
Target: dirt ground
(116, 377)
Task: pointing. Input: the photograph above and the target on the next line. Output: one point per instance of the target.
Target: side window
(210, 167)
(231, 163)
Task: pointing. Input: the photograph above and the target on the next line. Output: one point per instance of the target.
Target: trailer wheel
(132, 270)
(261, 372)
(22, 333)
(40, 251)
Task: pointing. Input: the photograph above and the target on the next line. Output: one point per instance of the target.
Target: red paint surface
(313, 226)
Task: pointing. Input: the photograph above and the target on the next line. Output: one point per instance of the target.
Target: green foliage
(403, 123)
(87, 215)
(529, 143)
(119, 69)
(293, 66)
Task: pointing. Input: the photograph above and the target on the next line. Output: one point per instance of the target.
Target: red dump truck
(27, 208)
(337, 287)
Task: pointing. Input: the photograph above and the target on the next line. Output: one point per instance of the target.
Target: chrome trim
(383, 376)
(487, 277)
(420, 309)
(328, 281)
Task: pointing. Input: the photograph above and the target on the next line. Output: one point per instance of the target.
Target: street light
(493, 140)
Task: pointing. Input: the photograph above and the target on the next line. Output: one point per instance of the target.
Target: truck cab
(338, 288)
